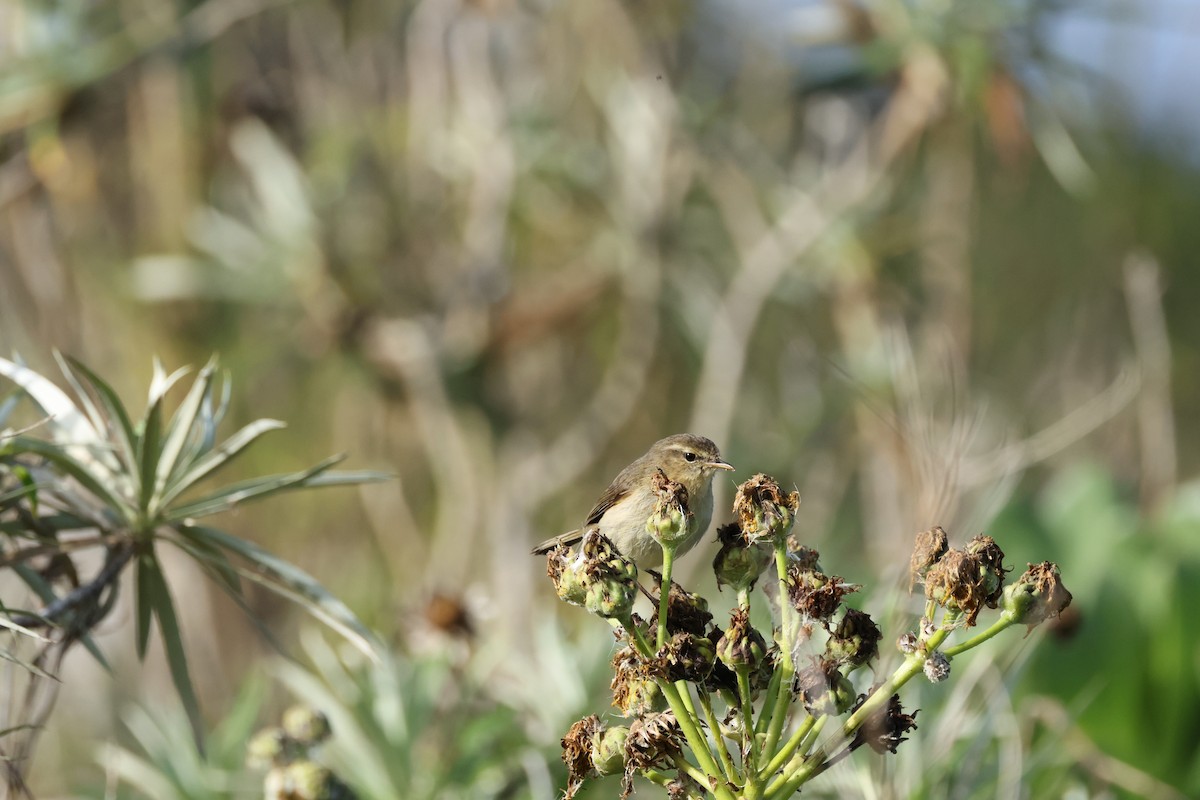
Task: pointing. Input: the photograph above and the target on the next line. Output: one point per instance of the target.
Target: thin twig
(118, 557)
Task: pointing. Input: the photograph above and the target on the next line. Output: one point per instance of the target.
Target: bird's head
(688, 459)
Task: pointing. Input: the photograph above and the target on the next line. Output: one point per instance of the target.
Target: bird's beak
(718, 464)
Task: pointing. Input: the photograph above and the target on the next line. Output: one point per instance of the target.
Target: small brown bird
(621, 512)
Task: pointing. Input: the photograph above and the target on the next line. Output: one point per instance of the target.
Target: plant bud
(670, 520)
(686, 611)
(306, 726)
(823, 688)
(1037, 595)
(307, 780)
(937, 668)
(599, 578)
(633, 686)
(566, 572)
(741, 645)
(267, 748)
(855, 641)
(738, 564)
(611, 597)
(608, 750)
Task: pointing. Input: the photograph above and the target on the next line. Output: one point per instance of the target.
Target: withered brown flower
(929, 547)
(1037, 595)
(764, 511)
(884, 730)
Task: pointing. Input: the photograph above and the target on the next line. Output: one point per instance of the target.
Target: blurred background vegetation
(912, 256)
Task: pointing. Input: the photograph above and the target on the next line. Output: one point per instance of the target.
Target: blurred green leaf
(71, 425)
(285, 579)
(61, 458)
(117, 419)
(181, 428)
(257, 488)
(158, 598)
(214, 460)
(145, 601)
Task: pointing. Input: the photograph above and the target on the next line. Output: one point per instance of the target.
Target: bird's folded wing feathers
(563, 539)
(615, 492)
(612, 495)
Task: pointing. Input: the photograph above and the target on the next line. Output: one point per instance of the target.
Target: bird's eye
(689, 456)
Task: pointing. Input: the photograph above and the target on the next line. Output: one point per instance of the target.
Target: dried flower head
(577, 752)
(738, 563)
(884, 730)
(929, 547)
(668, 523)
(815, 595)
(599, 578)
(1037, 595)
(741, 645)
(686, 611)
(956, 581)
(764, 512)
(634, 689)
(653, 740)
(681, 789)
(449, 615)
(937, 668)
(908, 643)
(855, 641)
(823, 688)
(687, 657)
(566, 573)
(991, 562)
(804, 557)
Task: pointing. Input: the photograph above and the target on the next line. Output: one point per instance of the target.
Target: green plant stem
(787, 669)
(996, 627)
(764, 719)
(687, 719)
(804, 772)
(664, 592)
(803, 766)
(780, 758)
(903, 674)
(714, 725)
(796, 773)
(654, 776)
(685, 695)
(683, 765)
(749, 740)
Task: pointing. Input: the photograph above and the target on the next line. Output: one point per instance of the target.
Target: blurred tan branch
(1156, 418)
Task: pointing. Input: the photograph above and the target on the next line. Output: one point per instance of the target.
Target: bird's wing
(612, 495)
(569, 538)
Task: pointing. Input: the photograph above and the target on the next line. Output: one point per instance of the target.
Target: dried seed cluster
(760, 689)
